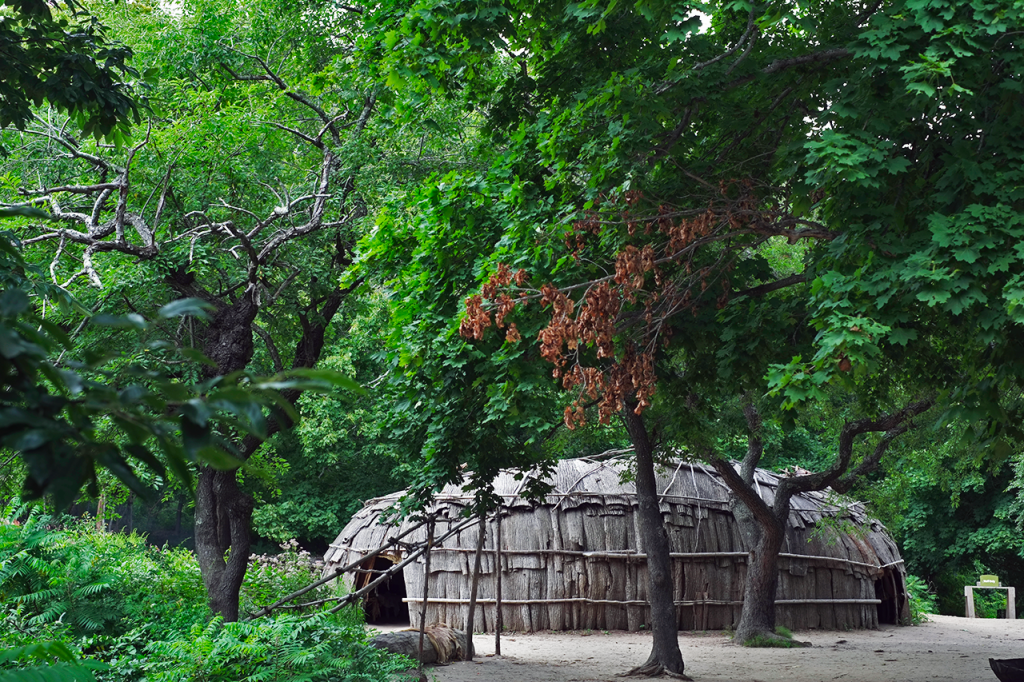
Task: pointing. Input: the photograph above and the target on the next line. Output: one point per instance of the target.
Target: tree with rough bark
(246, 199)
(764, 525)
(63, 425)
(731, 223)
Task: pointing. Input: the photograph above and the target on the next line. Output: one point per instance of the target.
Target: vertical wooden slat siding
(565, 564)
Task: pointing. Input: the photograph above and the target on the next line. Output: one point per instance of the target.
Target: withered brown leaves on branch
(596, 318)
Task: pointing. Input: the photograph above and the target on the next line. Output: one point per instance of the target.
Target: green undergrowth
(82, 604)
(922, 600)
(782, 640)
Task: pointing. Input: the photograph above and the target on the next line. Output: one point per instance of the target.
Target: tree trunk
(223, 518)
(101, 512)
(499, 622)
(475, 584)
(665, 658)
(763, 529)
(758, 616)
(223, 511)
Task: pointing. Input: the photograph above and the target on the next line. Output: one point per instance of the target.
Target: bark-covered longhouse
(576, 561)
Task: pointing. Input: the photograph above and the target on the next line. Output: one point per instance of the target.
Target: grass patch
(783, 639)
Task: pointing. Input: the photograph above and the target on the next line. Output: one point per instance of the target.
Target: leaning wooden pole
(426, 586)
(481, 532)
(497, 571)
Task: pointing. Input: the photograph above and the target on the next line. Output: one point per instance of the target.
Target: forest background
(809, 211)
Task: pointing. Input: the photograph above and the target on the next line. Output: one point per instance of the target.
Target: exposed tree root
(654, 669)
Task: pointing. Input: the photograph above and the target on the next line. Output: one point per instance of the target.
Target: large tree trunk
(758, 616)
(223, 511)
(763, 529)
(223, 521)
(665, 658)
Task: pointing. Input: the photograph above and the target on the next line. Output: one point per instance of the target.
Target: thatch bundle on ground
(575, 560)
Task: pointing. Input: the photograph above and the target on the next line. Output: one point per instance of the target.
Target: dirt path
(946, 648)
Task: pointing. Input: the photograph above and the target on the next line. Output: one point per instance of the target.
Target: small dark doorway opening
(384, 604)
(889, 590)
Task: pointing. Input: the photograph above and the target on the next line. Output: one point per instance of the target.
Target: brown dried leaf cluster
(633, 376)
(561, 331)
(685, 232)
(596, 321)
(478, 318)
(631, 266)
(590, 225)
(591, 320)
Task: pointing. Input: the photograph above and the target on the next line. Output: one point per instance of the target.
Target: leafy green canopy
(53, 414)
(592, 114)
(918, 161)
(61, 55)
(888, 127)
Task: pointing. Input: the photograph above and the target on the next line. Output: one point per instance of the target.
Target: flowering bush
(272, 576)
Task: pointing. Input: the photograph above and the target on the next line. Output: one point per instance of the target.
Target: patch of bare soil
(946, 648)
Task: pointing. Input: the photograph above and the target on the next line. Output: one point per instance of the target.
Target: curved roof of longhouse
(688, 491)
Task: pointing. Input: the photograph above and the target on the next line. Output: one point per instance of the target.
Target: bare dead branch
(275, 356)
(163, 198)
(75, 151)
(56, 258)
(89, 269)
(72, 189)
(316, 142)
(284, 285)
(97, 210)
(272, 76)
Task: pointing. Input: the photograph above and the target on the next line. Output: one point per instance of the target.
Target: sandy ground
(946, 648)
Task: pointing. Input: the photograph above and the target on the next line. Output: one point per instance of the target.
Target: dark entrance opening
(889, 590)
(384, 604)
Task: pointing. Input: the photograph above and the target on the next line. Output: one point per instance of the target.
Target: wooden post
(969, 599)
(426, 585)
(482, 531)
(101, 511)
(497, 570)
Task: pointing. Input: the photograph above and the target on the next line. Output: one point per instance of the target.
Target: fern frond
(58, 672)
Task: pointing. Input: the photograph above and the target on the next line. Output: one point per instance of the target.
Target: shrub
(51, 576)
(272, 576)
(142, 610)
(922, 601)
(321, 647)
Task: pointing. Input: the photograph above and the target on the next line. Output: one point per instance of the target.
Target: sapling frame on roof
(575, 559)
